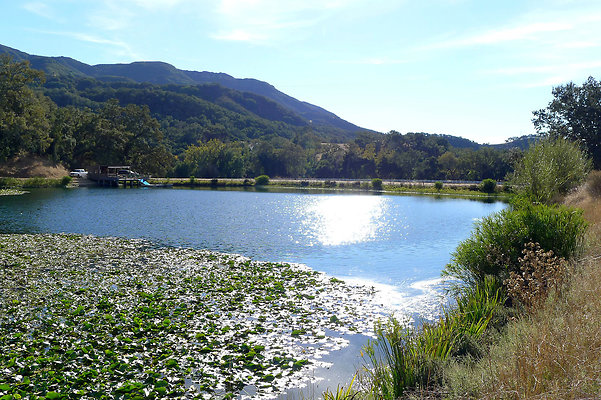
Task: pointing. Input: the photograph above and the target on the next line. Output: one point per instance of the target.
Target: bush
(540, 271)
(262, 180)
(553, 166)
(376, 183)
(9, 183)
(438, 185)
(496, 243)
(66, 180)
(593, 183)
(192, 179)
(488, 186)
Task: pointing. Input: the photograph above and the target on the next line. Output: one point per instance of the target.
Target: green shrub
(39, 182)
(66, 180)
(553, 166)
(192, 179)
(497, 241)
(9, 183)
(376, 183)
(488, 186)
(262, 180)
(438, 185)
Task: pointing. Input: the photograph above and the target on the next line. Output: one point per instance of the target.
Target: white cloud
(239, 35)
(506, 34)
(39, 8)
(264, 20)
(571, 67)
(549, 75)
(374, 61)
(119, 47)
(155, 4)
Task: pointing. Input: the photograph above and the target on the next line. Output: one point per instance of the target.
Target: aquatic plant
(91, 317)
(404, 357)
(342, 393)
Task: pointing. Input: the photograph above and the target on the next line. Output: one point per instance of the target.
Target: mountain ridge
(159, 72)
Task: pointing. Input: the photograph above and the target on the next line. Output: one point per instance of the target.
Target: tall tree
(130, 135)
(575, 114)
(24, 114)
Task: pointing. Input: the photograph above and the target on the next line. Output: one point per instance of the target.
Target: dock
(115, 176)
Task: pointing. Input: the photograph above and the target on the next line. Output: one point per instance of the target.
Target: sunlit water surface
(397, 243)
(401, 242)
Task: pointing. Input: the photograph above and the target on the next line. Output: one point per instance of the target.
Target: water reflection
(341, 220)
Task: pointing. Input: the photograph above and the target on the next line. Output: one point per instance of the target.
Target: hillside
(161, 73)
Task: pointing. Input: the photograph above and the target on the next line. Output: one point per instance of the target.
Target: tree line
(209, 131)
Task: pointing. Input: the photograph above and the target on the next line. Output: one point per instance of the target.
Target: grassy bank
(30, 183)
(426, 188)
(526, 323)
(552, 352)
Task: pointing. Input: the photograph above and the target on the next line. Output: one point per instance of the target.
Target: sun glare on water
(341, 220)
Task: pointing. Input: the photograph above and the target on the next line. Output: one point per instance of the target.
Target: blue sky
(471, 68)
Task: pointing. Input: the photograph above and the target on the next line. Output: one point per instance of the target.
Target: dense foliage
(24, 114)
(497, 241)
(552, 166)
(210, 131)
(575, 114)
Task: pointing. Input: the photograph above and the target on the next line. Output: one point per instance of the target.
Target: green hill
(161, 73)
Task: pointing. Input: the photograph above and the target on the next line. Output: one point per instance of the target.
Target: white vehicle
(79, 173)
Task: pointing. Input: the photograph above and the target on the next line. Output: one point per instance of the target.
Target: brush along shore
(82, 316)
(457, 188)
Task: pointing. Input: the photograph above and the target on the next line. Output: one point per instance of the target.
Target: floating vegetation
(11, 192)
(84, 317)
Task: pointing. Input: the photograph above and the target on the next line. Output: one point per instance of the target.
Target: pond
(399, 244)
(388, 239)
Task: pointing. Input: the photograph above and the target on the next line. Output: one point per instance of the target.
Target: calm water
(389, 239)
(398, 243)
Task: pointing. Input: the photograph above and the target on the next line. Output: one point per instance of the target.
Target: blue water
(389, 239)
(398, 243)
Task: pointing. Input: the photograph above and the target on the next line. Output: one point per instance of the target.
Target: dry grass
(554, 353)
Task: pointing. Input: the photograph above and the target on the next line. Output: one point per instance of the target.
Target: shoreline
(458, 189)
